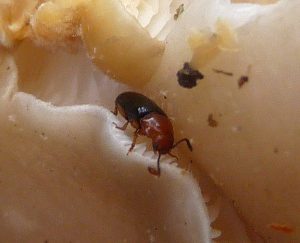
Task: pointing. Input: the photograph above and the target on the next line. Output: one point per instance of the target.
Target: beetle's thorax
(159, 128)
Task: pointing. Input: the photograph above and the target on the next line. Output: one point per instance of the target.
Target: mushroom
(65, 173)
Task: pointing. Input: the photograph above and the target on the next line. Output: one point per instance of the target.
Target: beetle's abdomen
(136, 106)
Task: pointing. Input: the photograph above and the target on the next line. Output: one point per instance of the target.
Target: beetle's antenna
(187, 143)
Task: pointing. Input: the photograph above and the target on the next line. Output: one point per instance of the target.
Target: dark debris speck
(187, 76)
(211, 121)
(243, 79)
(179, 11)
(222, 72)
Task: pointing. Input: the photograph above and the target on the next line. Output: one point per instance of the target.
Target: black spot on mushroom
(187, 76)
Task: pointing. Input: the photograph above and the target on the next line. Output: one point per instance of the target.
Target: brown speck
(281, 228)
(187, 76)
(243, 79)
(8, 68)
(179, 11)
(276, 150)
(165, 97)
(46, 241)
(155, 228)
(185, 223)
(211, 121)
(222, 72)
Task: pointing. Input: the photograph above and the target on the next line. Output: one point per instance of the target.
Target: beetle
(149, 120)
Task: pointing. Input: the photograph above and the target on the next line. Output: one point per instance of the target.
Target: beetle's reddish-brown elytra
(149, 120)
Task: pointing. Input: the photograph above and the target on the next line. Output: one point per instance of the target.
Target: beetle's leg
(122, 127)
(135, 136)
(154, 171)
(187, 143)
(115, 112)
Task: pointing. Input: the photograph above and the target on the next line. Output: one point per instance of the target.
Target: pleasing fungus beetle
(149, 120)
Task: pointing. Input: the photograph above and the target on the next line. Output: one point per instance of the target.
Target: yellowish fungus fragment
(118, 44)
(206, 47)
(56, 25)
(14, 20)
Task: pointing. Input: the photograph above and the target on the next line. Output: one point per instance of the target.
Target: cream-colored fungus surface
(64, 170)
